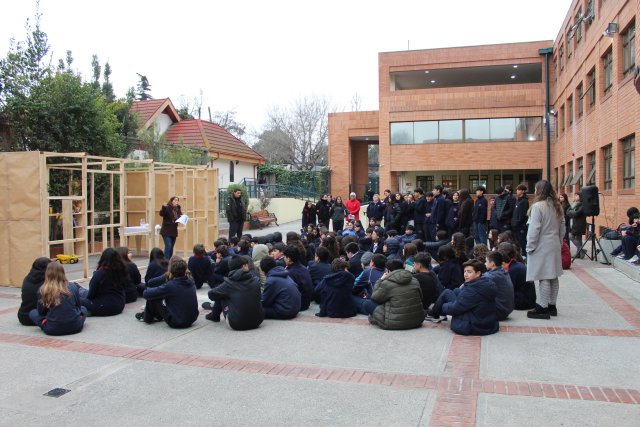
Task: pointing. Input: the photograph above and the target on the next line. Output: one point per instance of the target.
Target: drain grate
(56, 392)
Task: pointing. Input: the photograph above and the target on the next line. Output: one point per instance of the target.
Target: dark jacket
(400, 300)
(301, 276)
(504, 208)
(438, 211)
(524, 293)
(65, 318)
(578, 220)
(30, 286)
(480, 210)
(519, 217)
(235, 209)
(201, 269)
(179, 295)
(429, 287)
(419, 210)
(375, 210)
(169, 216)
(465, 216)
(450, 274)
(453, 220)
(335, 295)
(474, 309)
(363, 285)
(241, 293)
(323, 208)
(105, 297)
(504, 288)
(131, 285)
(393, 216)
(318, 270)
(355, 264)
(281, 294)
(393, 248)
(154, 269)
(309, 216)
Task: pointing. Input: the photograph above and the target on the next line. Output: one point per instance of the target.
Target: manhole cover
(56, 392)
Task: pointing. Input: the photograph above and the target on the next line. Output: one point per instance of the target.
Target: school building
(567, 110)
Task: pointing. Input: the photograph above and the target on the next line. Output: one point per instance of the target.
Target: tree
(143, 88)
(356, 102)
(305, 124)
(95, 66)
(275, 146)
(107, 87)
(227, 120)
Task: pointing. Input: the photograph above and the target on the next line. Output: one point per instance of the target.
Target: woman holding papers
(170, 212)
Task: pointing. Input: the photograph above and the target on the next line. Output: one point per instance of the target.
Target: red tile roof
(215, 138)
(148, 110)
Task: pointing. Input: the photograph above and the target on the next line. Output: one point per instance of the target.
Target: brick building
(466, 116)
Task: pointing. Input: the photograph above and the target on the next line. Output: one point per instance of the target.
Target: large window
(579, 100)
(607, 154)
(570, 105)
(591, 178)
(472, 130)
(607, 68)
(561, 56)
(628, 162)
(476, 181)
(628, 49)
(591, 77)
(425, 182)
(579, 28)
(561, 118)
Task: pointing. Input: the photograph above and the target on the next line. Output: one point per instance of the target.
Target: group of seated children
(391, 280)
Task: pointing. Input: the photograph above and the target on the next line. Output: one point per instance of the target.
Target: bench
(262, 218)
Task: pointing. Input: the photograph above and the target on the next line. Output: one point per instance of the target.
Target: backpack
(566, 255)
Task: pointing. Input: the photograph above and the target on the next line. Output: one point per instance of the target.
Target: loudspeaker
(590, 201)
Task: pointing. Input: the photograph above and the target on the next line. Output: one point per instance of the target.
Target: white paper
(183, 219)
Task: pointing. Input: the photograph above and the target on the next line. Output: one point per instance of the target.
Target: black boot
(553, 311)
(539, 313)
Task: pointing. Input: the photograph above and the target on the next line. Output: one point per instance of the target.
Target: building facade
(490, 115)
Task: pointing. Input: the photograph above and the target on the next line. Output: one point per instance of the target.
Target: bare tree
(305, 125)
(227, 120)
(275, 146)
(356, 102)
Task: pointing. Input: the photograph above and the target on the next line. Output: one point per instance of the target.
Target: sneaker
(140, 316)
(434, 319)
(213, 318)
(539, 313)
(621, 256)
(207, 305)
(553, 311)
(633, 258)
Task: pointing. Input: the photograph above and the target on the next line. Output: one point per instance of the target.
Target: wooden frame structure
(96, 202)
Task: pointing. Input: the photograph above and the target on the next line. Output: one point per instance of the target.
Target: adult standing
(323, 207)
(236, 213)
(170, 212)
(419, 211)
(465, 214)
(578, 224)
(480, 216)
(338, 211)
(519, 217)
(375, 209)
(309, 213)
(353, 205)
(544, 244)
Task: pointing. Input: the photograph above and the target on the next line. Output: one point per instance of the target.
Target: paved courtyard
(579, 369)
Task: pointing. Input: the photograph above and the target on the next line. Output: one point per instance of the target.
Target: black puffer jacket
(400, 300)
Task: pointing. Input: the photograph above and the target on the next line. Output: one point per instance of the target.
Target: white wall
(286, 209)
(241, 170)
(162, 123)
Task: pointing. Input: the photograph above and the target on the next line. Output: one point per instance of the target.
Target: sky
(252, 56)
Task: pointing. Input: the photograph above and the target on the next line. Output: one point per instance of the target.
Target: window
(569, 179)
(502, 180)
(607, 67)
(579, 101)
(425, 132)
(569, 45)
(450, 181)
(402, 133)
(578, 177)
(232, 171)
(628, 162)
(425, 182)
(570, 105)
(477, 130)
(591, 178)
(555, 68)
(561, 118)
(561, 182)
(628, 49)
(555, 174)
(451, 131)
(561, 56)
(475, 181)
(579, 23)
(608, 166)
(591, 90)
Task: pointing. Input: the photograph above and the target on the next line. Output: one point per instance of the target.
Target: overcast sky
(252, 55)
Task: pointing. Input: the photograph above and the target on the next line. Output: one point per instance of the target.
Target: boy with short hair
(277, 253)
(472, 306)
(504, 287)
(335, 292)
(201, 267)
(281, 297)
(300, 275)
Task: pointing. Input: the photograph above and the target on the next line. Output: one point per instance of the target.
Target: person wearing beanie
(353, 206)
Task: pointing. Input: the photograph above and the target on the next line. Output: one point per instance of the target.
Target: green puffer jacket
(400, 300)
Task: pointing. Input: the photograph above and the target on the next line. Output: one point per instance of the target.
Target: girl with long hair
(59, 311)
(30, 286)
(338, 212)
(544, 245)
(170, 212)
(106, 295)
(564, 202)
(134, 279)
(309, 214)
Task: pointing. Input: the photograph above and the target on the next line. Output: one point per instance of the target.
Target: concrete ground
(578, 369)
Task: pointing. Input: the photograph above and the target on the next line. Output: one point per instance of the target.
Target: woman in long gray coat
(544, 244)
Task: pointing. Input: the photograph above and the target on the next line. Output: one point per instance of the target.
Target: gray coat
(544, 242)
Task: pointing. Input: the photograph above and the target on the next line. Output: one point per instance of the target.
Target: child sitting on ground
(335, 292)
(175, 302)
(281, 297)
(59, 310)
(449, 271)
(472, 306)
(30, 286)
(201, 267)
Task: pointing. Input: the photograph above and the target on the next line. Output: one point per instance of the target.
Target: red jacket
(353, 206)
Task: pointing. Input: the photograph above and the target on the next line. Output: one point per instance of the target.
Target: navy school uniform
(105, 297)
(180, 300)
(64, 319)
(201, 270)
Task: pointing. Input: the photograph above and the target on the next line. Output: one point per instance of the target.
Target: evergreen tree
(107, 87)
(143, 88)
(95, 65)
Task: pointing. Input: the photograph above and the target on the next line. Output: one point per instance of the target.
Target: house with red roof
(233, 158)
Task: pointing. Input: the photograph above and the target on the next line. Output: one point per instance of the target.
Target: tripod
(592, 238)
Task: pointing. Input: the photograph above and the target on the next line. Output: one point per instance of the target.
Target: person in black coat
(504, 209)
(524, 293)
(300, 275)
(465, 214)
(201, 267)
(323, 210)
(449, 271)
(320, 267)
(157, 267)
(281, 298)
(309, 214)
(578, 224)
(480, 216)
(427, 279)
(59, 311)
(419, 210)
(175, 302)
(29, 292)
(238, 297)
(106, 289)
(170, 212)
(133, 275)
(520, 216)
(335, 292)
(354, 254)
